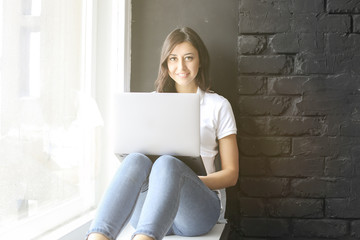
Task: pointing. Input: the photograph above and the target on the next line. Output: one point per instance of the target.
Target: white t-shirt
(216, 121)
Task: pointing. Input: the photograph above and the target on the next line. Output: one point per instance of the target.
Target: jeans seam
(201, 185)
(205, 189)
(213, 195)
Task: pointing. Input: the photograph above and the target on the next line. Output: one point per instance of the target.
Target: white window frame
(107, 64)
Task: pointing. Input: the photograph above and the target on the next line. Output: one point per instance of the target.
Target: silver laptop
(156, 124)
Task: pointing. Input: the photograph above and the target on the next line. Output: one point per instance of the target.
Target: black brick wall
(298, 113)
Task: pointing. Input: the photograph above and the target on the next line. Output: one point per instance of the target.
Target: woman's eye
(172, 59)
(188, 58)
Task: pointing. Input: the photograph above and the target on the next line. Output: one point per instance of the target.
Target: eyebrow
(172, 54)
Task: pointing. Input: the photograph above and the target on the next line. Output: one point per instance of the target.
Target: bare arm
(229, 173)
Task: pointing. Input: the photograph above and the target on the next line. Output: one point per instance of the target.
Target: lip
(183, 75)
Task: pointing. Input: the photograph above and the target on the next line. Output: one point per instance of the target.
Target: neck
(187, 89)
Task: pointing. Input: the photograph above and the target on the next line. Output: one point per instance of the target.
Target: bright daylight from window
(47, 117)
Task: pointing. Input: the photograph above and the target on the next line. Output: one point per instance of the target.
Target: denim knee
(136, 164)
(167, 162)
(137, 157)
(121, 195)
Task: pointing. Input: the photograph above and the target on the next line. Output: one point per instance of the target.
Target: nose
(181, 64)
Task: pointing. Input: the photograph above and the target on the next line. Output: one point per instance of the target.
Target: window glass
(47, 115)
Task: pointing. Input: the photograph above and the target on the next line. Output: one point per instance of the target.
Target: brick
(357, 168)
(296, 208)
(335, 122)
(267, 64)
(341, 6)
(350, 129)
(248, 238)
(285, 43)
(355, 153)
(296, 42)
(307, 6)
(316, 122)
(343, 146)
(343, 83)
(342, 208)
(311, 42)
(355, 188)
(252, 126)
(264, 6)
(332, 122)
(355, 113)
(346, 147)
(287, 85)
(251, 85)
(346, 83)
(326, 103)
(235, 233)
(350, 64)
(264, 227)
(251, 44)
(297, 167)
(339, 166)
(309, 63)
(263, 105)
(321, 187)
(320, 228)
(254, 24)
(304, 23)
(252, 207)
(264, 16)
(321, 23)
(323, 103)
(329, 95)
(264, 187)
(356, 23)
(348, 44)
(253, 166)
(334, 23)
(297, 126)
(265, 146)
(354, 102)
(315, 146)
(355, 228)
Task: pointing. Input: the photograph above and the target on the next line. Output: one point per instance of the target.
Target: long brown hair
(164, 83)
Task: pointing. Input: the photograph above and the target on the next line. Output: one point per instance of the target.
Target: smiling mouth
(182, 75)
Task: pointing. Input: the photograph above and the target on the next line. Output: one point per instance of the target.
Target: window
(49, 118)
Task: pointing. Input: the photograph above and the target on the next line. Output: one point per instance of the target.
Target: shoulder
(213, 98)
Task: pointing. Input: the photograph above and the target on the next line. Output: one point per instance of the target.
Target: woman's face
(183, 66)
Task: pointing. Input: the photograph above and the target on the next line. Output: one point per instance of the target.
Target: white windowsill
(75, 229)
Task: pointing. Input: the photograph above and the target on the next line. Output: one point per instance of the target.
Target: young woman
(166, 197)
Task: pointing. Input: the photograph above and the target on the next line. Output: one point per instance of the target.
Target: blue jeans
(161, 199)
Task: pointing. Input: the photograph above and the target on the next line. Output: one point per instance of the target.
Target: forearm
(221, 179)
(229, 174)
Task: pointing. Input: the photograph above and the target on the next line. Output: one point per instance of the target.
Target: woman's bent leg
(119, 199)
(177, 202)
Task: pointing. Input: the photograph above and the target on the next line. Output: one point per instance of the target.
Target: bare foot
(97, 236)
(142, 237)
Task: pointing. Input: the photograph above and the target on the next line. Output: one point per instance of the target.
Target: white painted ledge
(214, 234)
